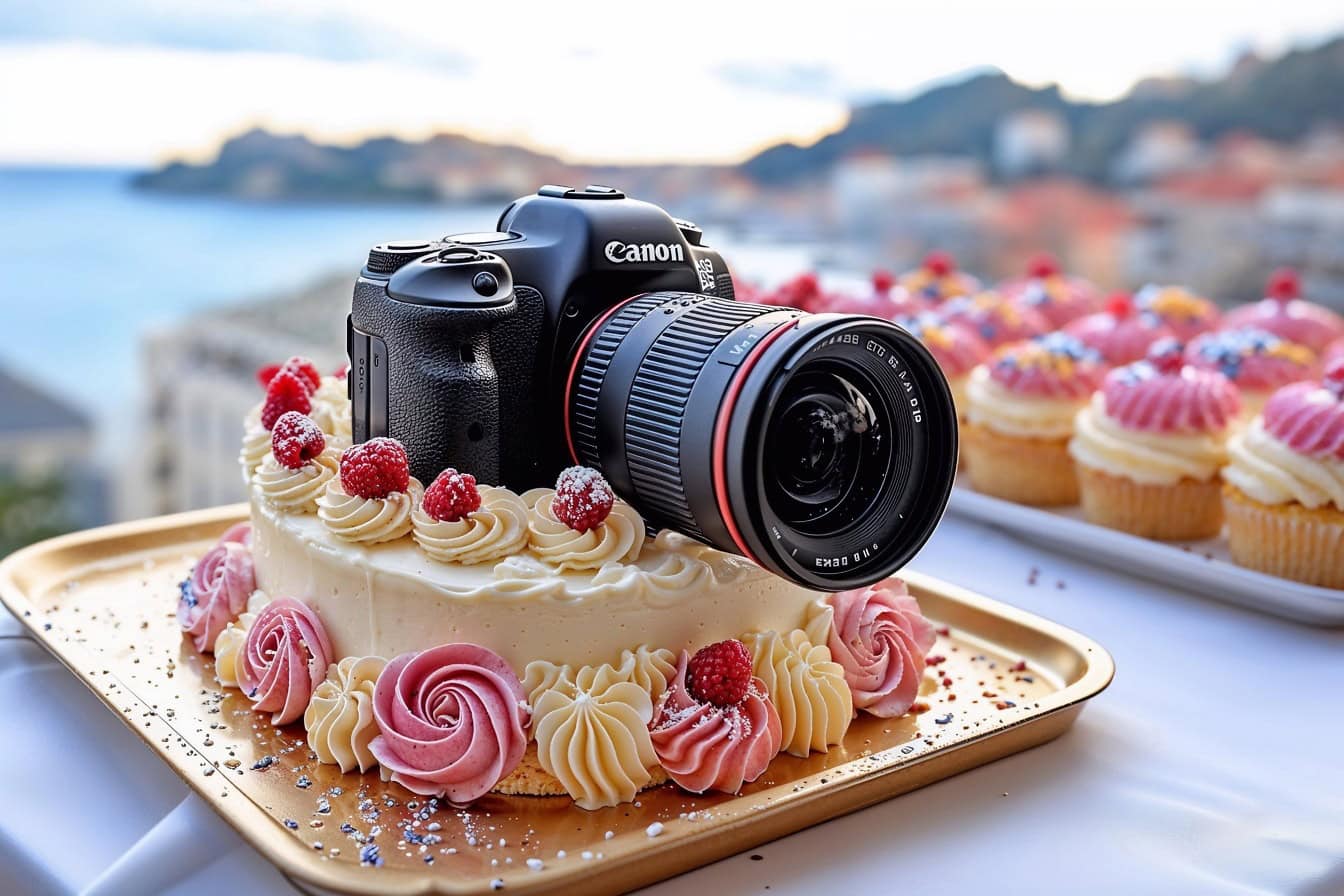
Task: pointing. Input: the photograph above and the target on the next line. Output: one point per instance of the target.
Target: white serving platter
(1203, 567)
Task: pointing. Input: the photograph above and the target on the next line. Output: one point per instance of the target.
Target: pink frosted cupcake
(1020, 406)
(1284, 496)
(937, 279)
(1056, 297)
(1119, 333)
(1258, 362)
(1150, 444)
(994, 319)
(888, 300)
(1187, 314)
(956, 349)
(1284, 313)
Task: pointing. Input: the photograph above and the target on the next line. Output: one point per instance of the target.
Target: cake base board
(102, 602)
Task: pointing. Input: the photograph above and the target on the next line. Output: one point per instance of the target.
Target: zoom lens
(822, 447)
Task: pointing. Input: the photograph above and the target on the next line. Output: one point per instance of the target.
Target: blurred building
(200, 381)
(49, 482)
(1157, 150)
(1030, 142)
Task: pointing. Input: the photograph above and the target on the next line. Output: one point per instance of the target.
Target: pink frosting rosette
(1119, 333)
(1055, 365)
(1165, 395)
(284, 658)
(1254, 359)
(452, 721)
(1309, 417)
(1056, 296)
(239, 533)
(220, 584)
(707, 747)
(880, 638)
(1285, 314)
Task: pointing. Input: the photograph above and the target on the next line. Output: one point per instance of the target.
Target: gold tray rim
(763, 817)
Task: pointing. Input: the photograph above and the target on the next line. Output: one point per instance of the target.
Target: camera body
(459, 347)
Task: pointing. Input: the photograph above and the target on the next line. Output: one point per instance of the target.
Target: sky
(136, 82)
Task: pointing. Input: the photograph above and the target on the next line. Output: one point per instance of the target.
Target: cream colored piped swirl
(497, 530)
(296, 491)
(339, 717)
(592, 735)
(368, 520)
(1145, 456)
(806, 686)
(1266, 469)
(650, 668)
(256, 444)
(331, 411)
(991, 405)
(230, 642)
(617, 539)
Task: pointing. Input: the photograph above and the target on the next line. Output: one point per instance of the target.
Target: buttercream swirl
(995, 319)
(498, 529)
(617, 539)
(805, 685)
(368, 520)
(331, 411)
(998, 408)
(650, 668)
(593, 736)
(1056, 365)
(707, 747)
(1147, 457)
(452, 721)
(1140, 397)
(1308, 418)
(880, 638)
(339, 717)
(229, 644)
(256, 444)
(1272, 472)
(284, 657)
(214, 595)
(297, 491)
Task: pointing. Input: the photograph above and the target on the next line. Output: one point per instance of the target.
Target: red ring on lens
(574, 367)
(719, 473)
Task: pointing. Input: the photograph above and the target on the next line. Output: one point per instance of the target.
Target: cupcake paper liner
(1023, 470)
(1286, 540)
(1189, 509)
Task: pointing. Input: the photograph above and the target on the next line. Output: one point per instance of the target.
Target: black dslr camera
(595, 329)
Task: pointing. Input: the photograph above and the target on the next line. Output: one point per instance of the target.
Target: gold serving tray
(103, 602)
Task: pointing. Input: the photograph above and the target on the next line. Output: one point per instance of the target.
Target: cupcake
(888, 300)
(1285, 314)
(1056, 297)
(1256, 361)
(1119, 333)
(956, 349)
(937, 279)
(1284, 492)
(994, 319)
(1150, 444)
(1187, 314)
(1021, 404)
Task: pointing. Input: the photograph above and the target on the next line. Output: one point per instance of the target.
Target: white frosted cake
(467, 639)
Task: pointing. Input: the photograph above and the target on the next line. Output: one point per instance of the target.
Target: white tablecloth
(1213, 764)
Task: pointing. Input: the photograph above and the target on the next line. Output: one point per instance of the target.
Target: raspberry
(1334, 379)
(375, 469)
(720, 673)
(266, 374)
(939, 264)
(451, 496)
(883, 281)
(1120, 305)
(305, 370)
(582, 499)
(1042, 266)
(1167, 356)
(342, 372)
(286, 392)
(1284, 285)
(295, 440)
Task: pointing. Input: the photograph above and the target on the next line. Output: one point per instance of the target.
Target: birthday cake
(462, 638)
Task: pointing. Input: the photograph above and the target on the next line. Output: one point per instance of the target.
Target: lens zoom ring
(593, 371)
(657, 404)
